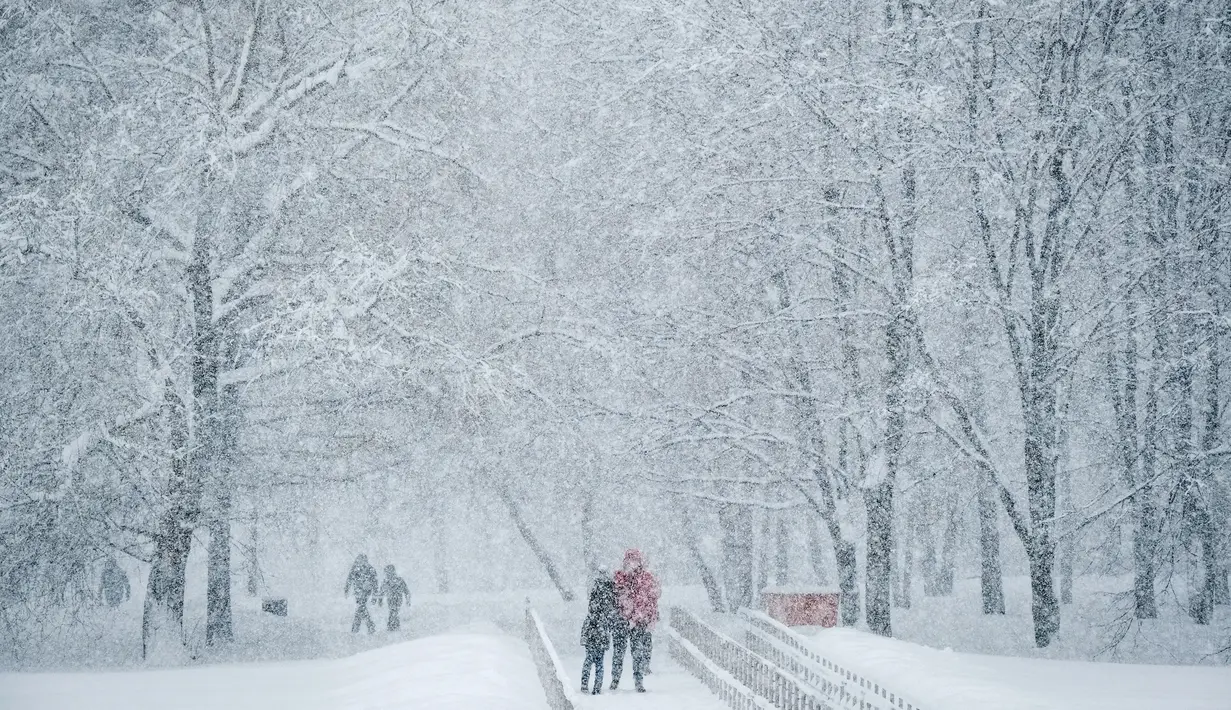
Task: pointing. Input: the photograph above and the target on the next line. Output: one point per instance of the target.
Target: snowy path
(669, 687)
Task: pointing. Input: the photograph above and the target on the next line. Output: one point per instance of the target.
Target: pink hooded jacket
(637, 591)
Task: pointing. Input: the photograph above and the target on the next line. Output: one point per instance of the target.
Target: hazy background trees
(871, 294)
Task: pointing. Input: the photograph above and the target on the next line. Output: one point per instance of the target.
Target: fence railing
(551, 672)
(840, 686)
(767, 681)
(721, 683)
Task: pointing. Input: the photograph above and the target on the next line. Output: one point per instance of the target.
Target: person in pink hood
(637, 593)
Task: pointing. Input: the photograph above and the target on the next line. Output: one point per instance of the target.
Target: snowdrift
(464, 670)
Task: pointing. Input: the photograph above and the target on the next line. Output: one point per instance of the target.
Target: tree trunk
(253, 564)
(218, 592)
(906, 571)
(738, 537)
(1219, 589)
(1067, 545)
(816, 554)
(878, 498)
(587, 527)
(713, 589)
(879, 503)
(220, 458)
(1145, 536)
(848, 581)
(162, 623)
(764, 540)
(990, 579)
(528, 535)
(440, 544)
(782, 552)
(928, 563)
(1041, 551)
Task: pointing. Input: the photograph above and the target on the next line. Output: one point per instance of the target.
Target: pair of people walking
(621, 614)
(365, 584)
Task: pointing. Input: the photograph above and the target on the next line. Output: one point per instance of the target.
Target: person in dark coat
(364, 582)
(114, 589)
(596, 629)
(394, 590)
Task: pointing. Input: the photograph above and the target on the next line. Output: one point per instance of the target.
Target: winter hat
(633, 559)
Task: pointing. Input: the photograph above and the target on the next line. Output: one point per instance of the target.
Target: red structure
(802, 607)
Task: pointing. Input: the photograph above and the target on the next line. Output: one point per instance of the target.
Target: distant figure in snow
(363, 580)
(596, 630)
(395, 590)
(637, 593)
(114, 589)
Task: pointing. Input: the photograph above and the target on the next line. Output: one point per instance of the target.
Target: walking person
(394, 590)
(596, 629)
(113, 589)
(363, 581)
(637, 593)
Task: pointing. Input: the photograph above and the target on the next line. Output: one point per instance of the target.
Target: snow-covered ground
(472, 669)
(952, 680)
(311, 654)
(1098, 625)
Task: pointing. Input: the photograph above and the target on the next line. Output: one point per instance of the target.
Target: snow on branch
(505, 344)
(395, 136)
(305, 85)
(250, 257)
(75, 450)
(242, 64)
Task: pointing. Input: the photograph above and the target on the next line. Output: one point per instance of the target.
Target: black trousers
(639, 641)
(362, 616)
(395, 622)
(593, 658)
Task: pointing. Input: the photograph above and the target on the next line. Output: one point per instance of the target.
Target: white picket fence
(551, 672)
(748, 680)
(840, 687)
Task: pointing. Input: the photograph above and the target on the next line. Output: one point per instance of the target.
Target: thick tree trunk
(1219, 589)
(848, 581)
(879, 504)
(218, 590)
(162, 623)
(1041, 550)
(1067, 545)
(738, 545)
(990, 580)
(878, 498)
(220, 429)
(1145, 535)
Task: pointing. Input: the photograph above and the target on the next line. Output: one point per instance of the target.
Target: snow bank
(945, 680)
(457, 671)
